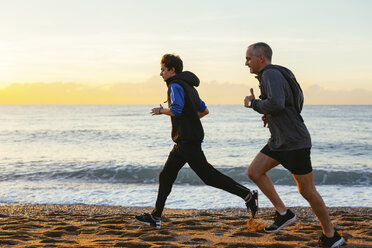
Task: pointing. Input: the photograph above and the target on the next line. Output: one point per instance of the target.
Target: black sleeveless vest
(187, 127)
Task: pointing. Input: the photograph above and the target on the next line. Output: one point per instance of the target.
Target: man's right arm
(177, 96)
(204, 113)
(203, 110)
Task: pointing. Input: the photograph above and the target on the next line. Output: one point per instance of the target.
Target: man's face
(253, 61)
(165, 73)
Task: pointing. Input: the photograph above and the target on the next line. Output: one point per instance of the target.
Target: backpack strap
(297, 93)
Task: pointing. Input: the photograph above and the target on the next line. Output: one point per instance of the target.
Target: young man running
(280, 103)
(185, 109)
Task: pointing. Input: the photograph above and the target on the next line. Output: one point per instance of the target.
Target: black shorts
(297, 161)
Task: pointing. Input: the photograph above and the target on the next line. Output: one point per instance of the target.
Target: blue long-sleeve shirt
(177, 95)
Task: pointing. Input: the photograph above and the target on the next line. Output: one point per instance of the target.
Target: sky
(108, 51)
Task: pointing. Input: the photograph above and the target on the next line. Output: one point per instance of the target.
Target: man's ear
(262, 58)
(172, 70)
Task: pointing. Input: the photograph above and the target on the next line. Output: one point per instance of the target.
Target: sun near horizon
(153, 92)
(108, 52)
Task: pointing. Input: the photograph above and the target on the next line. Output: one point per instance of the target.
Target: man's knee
(306, 186)
(252, 173)
(163, 176)
(209, 175)
(308, 193)
(211, 178)
(208, 181)
(260, 165)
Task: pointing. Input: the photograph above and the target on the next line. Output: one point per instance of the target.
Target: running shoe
(281, 221)
(252, 203)
(148, 219)
(333, 242)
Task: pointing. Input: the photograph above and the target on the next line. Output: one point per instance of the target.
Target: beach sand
(104, 226)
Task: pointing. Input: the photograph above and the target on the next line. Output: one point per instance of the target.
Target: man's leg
(166, 179)
(209, 175)
(307, 189)
(212, 177)
(257, 173)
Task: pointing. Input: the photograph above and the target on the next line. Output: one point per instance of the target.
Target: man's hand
(263, 118)
(204, 113)
(156, 111)
(247, 99)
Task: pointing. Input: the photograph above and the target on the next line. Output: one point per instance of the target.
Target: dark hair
(172, 61)
(262, 48)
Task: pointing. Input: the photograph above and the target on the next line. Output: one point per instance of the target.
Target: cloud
(316, 94)
(75, 93)
(153, 92)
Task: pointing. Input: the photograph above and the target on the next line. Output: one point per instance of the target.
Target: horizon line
(144, 104)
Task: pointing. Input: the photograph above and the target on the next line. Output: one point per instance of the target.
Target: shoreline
(33, 225)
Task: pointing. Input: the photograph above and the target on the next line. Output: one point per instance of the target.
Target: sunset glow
(80, 52)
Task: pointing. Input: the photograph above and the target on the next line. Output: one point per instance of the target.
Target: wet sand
(104, 226)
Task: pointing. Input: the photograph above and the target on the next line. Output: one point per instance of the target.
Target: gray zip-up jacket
(288, 131)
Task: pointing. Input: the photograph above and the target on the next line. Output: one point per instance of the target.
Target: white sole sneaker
(338, 243)
(287, 223)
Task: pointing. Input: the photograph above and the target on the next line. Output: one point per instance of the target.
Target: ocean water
(111, 155)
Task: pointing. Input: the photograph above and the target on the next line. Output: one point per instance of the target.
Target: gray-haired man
(280, 103)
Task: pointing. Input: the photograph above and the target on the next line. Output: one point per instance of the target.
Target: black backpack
(295, 86)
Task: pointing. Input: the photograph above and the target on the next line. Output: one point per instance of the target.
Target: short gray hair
(262, 48)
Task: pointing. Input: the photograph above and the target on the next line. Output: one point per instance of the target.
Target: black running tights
(192, 154)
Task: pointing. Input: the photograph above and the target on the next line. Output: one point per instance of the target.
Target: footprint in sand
(60, 224)
(111, 232)
(54, 241)
(199, 227)
(89, 225)
(165, 232)
(30, 226)
(239, 245)
(246, 234)
(53, 234)
(289, 237)
(68, 230)
(113, 227)
(132, 245)
(158, 237)
(279, 246)
(113, 221)
(167, 245)
(133, 226)
(93, 219)
(229, 218)
(186, 222)
(19, 235)
(368, 233)
(11, 227)
(134, 234)
(105, 243)
(8, 242)
(104, 240)
(237, 223)
(195, 241)
(88, 231)
(51, 241)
